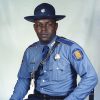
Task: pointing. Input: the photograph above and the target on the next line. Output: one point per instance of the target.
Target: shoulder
(71, 44)
(76, 51)
(31, 47)
(65, 41)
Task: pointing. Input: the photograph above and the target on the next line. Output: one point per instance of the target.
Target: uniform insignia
(52, 43)
(77, 54)
(57, 57)
(32, 62)
(43, 10)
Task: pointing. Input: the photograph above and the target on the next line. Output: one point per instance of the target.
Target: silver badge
(57, 56)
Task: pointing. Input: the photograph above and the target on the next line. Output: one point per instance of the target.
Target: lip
(44, 34)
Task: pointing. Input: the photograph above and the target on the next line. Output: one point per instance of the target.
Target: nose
(44, 28)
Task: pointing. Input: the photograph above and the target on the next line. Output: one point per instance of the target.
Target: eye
(38, 25)
(50, 24)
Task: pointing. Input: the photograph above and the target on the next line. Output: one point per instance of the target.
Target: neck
(47, 42)
(44, 42)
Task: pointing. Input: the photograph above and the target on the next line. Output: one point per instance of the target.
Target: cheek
(51, 31)
(37, 30)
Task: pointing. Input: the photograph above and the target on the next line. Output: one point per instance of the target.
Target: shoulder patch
(65, 41)
(77, 54)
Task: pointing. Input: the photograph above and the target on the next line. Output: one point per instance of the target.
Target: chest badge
(57, 57)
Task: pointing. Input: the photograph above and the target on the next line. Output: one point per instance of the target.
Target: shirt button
(43, 80)
(57, 68)
(45, 71)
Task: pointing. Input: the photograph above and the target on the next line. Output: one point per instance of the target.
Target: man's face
(45, 29)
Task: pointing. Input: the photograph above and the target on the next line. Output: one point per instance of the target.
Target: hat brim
(33, 18)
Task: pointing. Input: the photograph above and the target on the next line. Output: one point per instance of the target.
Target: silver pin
(52, 43)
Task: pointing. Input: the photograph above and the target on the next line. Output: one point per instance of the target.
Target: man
(54, 62)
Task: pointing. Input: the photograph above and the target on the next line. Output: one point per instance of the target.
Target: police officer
(55, 61)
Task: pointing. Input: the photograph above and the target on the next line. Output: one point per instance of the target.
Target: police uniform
(58, 77)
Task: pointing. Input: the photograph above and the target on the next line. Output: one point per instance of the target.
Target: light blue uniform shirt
(59, 74)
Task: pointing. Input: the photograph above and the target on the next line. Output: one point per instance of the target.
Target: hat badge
(43, 10)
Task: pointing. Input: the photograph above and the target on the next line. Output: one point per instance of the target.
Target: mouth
(44, 35)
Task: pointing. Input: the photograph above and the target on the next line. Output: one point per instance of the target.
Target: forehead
(44, 21)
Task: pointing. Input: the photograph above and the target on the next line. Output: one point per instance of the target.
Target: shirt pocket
(58, 70)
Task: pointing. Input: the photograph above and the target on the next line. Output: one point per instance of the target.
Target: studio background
(82, 25)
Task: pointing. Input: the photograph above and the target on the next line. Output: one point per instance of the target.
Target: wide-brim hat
(44, 11)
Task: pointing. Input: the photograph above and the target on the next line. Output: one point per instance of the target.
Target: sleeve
(84, 68)
(24, 69)
(23, 83)
(21, 88)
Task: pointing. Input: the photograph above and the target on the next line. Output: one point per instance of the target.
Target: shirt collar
(49, 44)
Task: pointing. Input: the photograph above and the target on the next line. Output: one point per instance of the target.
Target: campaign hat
(44, 11)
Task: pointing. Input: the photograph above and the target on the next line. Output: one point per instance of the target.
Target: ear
(34, 27)
(56, 26)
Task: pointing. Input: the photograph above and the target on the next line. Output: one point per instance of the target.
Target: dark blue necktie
(45, 51)
(40, 68)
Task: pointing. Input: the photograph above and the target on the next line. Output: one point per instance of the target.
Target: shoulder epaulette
(65, 41)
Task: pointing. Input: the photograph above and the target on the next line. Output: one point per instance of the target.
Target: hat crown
(44, 9)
